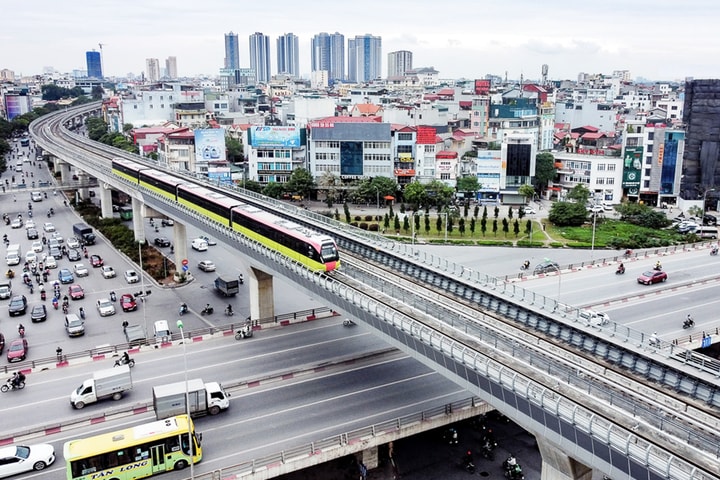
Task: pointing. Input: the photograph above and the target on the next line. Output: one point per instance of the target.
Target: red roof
(438, 139)
(465, 103)
(593, 135)
(430, 96)
(446, 91)
(589, 128)
(346, 119)
(446, 154)
(399, 127)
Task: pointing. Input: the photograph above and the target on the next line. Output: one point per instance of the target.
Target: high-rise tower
(399, 62)
(364, 53)
(328, 53)
(232, 51)
(94, 64)
(171, 68)
(288, 55)
(152, 69)
(260, 56)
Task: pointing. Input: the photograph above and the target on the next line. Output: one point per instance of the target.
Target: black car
(2, 343)
(162, 242)
(709, 220)
(18, 305)
(74, 254)
(55, 252)
(32, 234)
(38, 313)
(546, 267)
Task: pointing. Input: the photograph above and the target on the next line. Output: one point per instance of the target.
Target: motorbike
(688, 323)
(65, 309)
(21, 331)
(620, 271)
(183, 309)
(43, 295)
(348, 323)
(229, 312)
(509, 463)
(514, 473)
(207, 310)
(657, 267)
(123, 361)
(55, 303)
(525, 266)
(113, 297)
(82, 313)
(469, 466)
(714, 251)
(9, 386)
(10, 274)
(241, 279)
(245, 332)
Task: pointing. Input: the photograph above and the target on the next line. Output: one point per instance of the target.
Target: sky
(662, 40)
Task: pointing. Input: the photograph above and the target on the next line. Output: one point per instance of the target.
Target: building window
(600, 181)
(444, 176)
(611, 167)
(601, 167)
(646, 184)
(405, 136)
(610, 181)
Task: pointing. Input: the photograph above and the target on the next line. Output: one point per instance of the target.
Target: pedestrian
(125, 325)
(58, 352)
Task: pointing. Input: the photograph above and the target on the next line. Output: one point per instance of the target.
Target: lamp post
(592, 245)
(446, 224)
(412, 223)
(191, 440)
(142, 285)
(557, 301)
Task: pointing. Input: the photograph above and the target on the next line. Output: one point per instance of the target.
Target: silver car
(105, 307)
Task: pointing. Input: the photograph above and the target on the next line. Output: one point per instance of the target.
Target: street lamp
(446, 224)
(557, 301)
(592, 245)
(412, 222)
(191, 440)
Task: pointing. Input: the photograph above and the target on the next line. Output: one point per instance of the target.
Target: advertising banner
(210, 145)
(275, 137)
(632, 167)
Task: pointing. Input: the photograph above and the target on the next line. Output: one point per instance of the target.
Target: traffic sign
(185, 262)
(706, 342)
(185, 268)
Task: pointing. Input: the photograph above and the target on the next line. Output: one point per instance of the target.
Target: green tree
(346, 211)
(97, 92)
(416, 220)
(396, 224)
(566, 214)
(528, 229)
(468, 184)
(329, 183)
(300, 183)
(466, 209)
(439, 194)
(386, 221)
(527, 191)
(253, 186)
(234, 149)
(495, 226)
(505, 226)
(274, 190)
(472, 226)
(510, 213)
(496, 212)
(415, 194)
(485, 214)
(580, 194)
(521, 212)
(545, 170)
(427, 224)
(406, 224)
(461, 226)
(439, 224)
(450, 224)
(476, 211)
(516, 228)
(483, 225)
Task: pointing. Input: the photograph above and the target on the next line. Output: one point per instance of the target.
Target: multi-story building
(288, 55)
(260, 56)
(171, 68)
(427, 145)
(155, 106)
(518, 151)
(274, 152)
(516, 114)
(601, 173)
(152, 70)
(232, 51)
(602, 115)
(176, 150)
(403, 146)
(351, 148)
(364, 58)
(399, 63)
(328, 54)
(94, 64)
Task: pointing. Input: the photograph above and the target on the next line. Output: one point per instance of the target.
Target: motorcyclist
(228, 310)
(82, 313)
(207, 308)
(689, 322)
(125, 359)
(658, 266)
(654, 339)
(21, 329)
(621, 268)
(17, 379)
(526, 264)
(66, 301)
(510, 462)
(183, 308)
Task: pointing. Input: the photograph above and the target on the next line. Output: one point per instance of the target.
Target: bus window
(126, 213)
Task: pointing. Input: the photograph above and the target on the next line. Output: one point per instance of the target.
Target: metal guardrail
(116, 349)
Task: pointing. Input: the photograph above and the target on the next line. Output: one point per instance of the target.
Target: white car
(37, 247)
(16, 223)
(29, 224)
(206, 266)
(105, 307)
(58, 237)
(529, 211)
(50, 261)
(131, 276)
(73, 242)
(25, 458)
(81, 270)
(107, 271)
(49, 227)
(31, 257)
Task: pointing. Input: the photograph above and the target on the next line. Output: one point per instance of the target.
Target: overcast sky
(656, 40)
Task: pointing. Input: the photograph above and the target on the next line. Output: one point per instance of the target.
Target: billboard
(220, 175)
(210, 145)
(632, 166)
(482, 87)
(275, 137)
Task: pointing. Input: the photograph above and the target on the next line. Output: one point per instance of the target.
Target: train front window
(328, 252)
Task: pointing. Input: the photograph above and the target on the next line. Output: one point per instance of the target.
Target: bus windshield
(126, 213)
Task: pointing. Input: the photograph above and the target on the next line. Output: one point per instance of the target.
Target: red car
(96, 261)
(17, 350)
(127, 302)
(76, 292)
(652, 276)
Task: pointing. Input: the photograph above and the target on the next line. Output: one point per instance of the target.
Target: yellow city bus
(135, 452)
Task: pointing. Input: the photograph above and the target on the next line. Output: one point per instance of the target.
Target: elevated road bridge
(596, 396)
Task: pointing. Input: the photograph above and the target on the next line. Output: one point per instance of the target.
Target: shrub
(368, 218)
(374, 227)
(357, 218)
(363, 225)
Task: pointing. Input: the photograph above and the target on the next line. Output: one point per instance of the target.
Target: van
(5, 288)
(200, 244)
(161, 329)
(594, 318)
(19, 167)
(36, 197)
(706, 231)
(12, 257)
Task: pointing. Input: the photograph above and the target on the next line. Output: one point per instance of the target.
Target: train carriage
(207, 202)
(314, 250)
(127, 169)
(160, 182)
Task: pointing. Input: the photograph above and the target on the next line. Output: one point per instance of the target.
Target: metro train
(312, 249)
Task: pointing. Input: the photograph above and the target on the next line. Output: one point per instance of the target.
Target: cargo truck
(12, 257)
(110, 383)
(227, 286)
(84, 233)
(205, 398)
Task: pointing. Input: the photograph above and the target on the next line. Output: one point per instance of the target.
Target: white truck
(110, 383)
(12, 256)
(205, 398)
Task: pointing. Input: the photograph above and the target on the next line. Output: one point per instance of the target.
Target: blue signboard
(210, 145)
(275, 137)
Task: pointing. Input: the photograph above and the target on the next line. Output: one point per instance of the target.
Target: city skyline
(479, 40)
